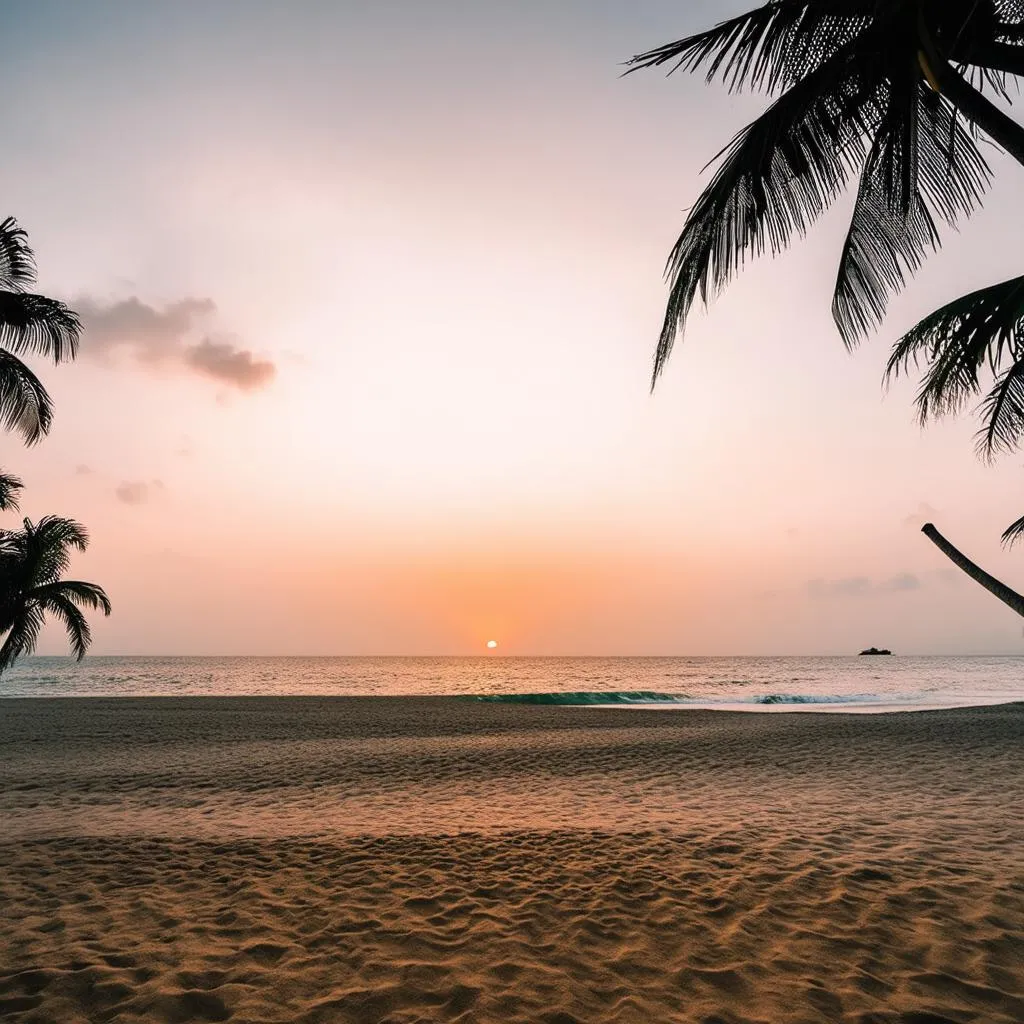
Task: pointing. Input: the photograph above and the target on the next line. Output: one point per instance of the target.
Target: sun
(491, 644)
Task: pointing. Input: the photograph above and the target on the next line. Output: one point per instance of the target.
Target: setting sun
(491, 644)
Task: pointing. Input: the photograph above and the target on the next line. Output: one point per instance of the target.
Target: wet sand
(401, 860)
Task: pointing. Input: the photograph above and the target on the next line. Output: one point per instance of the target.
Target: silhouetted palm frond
(89, 595)
(923, 164)
(1013, 533)
(22, 635)
(9, 488)
(778, 175)
(859, 83)
(79, 634)
(35, 323)
(769, 48)
(25, 405)
(48, 546)
(979, 332)
(17, 261)
(775, 45)
(1003, 412)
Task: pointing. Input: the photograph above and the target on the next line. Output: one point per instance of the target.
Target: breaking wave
(589, 697)
(635, 697)
(803, 698)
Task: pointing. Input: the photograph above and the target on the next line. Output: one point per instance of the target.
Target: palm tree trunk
(961, 561)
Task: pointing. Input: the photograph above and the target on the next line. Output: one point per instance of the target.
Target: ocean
(748, 683)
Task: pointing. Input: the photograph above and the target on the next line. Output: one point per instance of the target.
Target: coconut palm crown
(33, 561)
(28, 323)
(893, 93)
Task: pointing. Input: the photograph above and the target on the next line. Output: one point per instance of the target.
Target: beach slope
(407, 860)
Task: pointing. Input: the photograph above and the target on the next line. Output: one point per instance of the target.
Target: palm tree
(881, 90)
(28, 323)
(33, 561)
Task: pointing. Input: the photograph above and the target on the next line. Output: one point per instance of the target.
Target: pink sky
(445, 230)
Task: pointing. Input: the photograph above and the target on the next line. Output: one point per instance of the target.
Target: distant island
(876, 650)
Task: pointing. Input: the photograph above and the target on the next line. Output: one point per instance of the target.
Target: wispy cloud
(851, 586)
(862, 586)
(174, 336)
(902, 581)
(137, 492)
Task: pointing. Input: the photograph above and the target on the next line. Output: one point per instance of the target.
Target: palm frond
(89, 595)
(923, 163)
(79, 633)
(35, 323)
(22, 635)
(778, 176)
(48, 546)
(983, 34)
(40, 553)
(1003, 413)
(983, 330)
(1013, 533)
(9, 488)
(57, 531)
(956, 343)
(25, 405)
(17, 261)
(986, 79)
(769, 48)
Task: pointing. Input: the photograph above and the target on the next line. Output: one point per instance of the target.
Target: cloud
(168, 337)
(851, 586)
(861, 586)
(137, 492)
(225, 362)
(902, 581)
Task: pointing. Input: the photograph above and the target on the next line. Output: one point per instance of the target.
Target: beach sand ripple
(415, 861)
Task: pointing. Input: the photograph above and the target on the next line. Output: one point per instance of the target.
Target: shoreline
(835, 706)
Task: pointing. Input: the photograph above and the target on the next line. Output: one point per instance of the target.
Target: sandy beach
(406, 860)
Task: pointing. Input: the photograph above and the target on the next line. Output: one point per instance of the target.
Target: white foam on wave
(866, 704)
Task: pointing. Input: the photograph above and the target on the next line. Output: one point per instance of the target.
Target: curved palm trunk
(961, 561)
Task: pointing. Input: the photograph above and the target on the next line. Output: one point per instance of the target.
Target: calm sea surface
(854, 683)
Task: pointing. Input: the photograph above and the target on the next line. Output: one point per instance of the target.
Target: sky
(371, 293)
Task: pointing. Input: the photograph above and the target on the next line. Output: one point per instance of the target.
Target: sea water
(748, 683)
